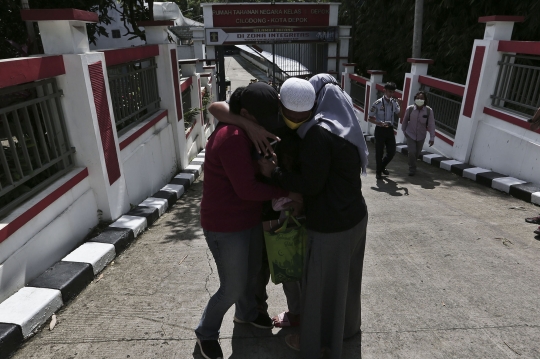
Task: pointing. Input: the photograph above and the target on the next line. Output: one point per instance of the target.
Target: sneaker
(210, 349)
(537, 231)
(385, 172)
(535, 220)
(262, 321)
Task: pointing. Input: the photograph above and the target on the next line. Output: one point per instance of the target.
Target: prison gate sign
(277, 23)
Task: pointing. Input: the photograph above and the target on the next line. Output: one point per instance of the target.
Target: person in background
(417, 122)
(382, 114)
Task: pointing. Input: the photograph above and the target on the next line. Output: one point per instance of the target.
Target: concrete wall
(488, 137)
(507, 149)
(44, 229)
(150, 161)
(47, 237)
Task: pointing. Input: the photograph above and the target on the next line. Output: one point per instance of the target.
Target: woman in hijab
(333, 155)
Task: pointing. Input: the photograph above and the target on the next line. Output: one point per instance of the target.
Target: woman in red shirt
(231, 211)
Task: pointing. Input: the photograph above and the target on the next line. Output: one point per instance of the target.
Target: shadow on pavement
(424, 180)
(185, 219)
(391, 187)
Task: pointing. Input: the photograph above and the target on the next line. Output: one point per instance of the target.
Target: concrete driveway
(451, 271)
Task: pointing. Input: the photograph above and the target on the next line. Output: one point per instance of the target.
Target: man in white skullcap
(297, 99)
(333, 155)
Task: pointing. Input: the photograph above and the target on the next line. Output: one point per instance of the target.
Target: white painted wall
(150, 161)
(508, 149)
(146, 164)
(49, 236)
(185, 52)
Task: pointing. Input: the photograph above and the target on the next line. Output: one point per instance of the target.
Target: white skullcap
(297, 95)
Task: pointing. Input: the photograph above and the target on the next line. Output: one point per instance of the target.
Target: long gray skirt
(331, 290)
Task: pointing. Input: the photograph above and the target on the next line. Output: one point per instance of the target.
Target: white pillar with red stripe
(376, 77)
(87, 104)
(344, 38)
(481, 80)
(198, 46)
(168, 79)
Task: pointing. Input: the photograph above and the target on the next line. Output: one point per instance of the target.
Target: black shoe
(378, 176)
(262, 321)
(210, 349)
(535, 220)
(411, 174)
(385, 172)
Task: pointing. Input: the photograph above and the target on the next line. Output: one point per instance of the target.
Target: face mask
(294, 125)
(419, 103)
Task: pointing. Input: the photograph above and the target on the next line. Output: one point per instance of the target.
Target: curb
(27, 310)
(523, 190)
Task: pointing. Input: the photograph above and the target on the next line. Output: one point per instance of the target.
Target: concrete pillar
(481, 79)
(168, 81)
(212, 87)
(332, 58)
(345, 79)
(156, 31)
(344, 38)
(87, 104)
(198, 46)
(419, 67)
(92, 130)
(188, 66)
(376, 77)
(63, 31)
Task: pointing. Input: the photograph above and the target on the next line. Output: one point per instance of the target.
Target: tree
(384, 31)
(13, 29)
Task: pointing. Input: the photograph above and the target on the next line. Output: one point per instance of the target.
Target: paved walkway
(240, 71)
(451, 271)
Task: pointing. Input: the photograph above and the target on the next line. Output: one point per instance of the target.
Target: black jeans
(384, 137)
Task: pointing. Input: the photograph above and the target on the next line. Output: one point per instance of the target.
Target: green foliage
(12, 28)
(190, 116)
(383, 32)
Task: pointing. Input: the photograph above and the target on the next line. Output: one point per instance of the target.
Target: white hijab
(334, 111)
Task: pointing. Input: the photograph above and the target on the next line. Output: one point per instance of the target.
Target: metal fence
(446, 108)
(518, 84)
(134, 92)
(35, 149)
(358, 93)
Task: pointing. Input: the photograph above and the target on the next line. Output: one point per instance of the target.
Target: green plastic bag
(285, 247)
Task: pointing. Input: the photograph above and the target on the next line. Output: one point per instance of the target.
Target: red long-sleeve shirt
(232, 196)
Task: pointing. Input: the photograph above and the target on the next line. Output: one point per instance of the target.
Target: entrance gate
(293, 39)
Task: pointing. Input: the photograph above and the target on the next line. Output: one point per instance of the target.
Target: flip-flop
(282, 320)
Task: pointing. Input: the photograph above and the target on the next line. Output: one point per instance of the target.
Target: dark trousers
(384, 137)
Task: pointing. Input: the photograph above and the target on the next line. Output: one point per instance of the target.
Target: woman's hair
(422, 93)
(235, 101)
